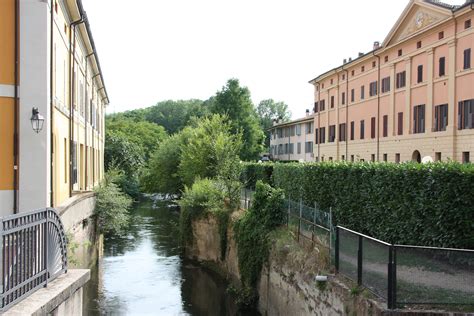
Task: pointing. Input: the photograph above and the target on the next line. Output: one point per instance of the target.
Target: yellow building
(48, 62)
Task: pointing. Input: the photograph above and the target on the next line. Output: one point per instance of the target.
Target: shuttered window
(400, 123)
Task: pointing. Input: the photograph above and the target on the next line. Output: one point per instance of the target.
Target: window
(467, 24)
(332, 102)
(352, 158)
(308, 147)
(292, 148)
(400, 123)
(342, 132)
(298, 148)
(322, 105)
(467, 58)
(343, 157)
(362, 92)
(401, 79)
(437, 156)
(373, 89)
(292, 130)
(352, 95)
(385, 125)
(352, 73)
(420, 74)
(362, 69)
(298, 129)
(352, 130)
(322, 86)
(322, 135)
(419, 119)
(316, 107)
(440, 35)
(362, 127)
(332, 81)
(374, 64)
(385, 157)
(465, 157)
(372, 157)
(385, 84)
(397, 158)
(74, 162)
(466, 114)
(442, 66)
(343, 77)
(309, 128)
(386, 59)
(343, 98)
(441, 118)
(400, 52)
(418, 44)
(372, 127)
(332, 133)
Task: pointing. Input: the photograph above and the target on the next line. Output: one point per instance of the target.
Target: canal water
(142, 272)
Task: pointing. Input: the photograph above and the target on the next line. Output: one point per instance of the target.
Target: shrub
(252, 172)
(111, 208)
(252, 233)
(419, 204)
(204, 196)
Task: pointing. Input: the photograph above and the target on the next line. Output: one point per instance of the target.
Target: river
(143, 272)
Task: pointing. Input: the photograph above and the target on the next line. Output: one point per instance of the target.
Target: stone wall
(287, 285)
(85, 244)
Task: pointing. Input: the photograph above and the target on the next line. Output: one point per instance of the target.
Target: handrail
(33, 252)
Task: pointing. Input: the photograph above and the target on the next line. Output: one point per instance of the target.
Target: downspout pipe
(318, 140)
(51, 91)
(71, 97)
(347, 111)
(378, 105)
(16, 110)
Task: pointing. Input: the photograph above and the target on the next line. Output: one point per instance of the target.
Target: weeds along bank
(266, 266)
(409, 203)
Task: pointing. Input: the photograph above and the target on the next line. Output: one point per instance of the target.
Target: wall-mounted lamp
(37, 120)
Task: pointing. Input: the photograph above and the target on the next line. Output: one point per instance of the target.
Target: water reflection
(142, 273)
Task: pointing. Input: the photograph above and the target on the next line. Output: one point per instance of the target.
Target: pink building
(411, 98)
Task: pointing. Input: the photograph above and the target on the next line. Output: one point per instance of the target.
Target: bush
(418, 204)
(252, 172)
(204, 196)
(111, 208)
(252, 233)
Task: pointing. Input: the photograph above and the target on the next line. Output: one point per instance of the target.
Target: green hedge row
(417, 204)
(252, 172)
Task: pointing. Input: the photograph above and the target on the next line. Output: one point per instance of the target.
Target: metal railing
(34, 252)
(406, 275)
(310, 223)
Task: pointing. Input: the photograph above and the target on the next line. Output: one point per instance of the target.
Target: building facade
(48, 62)
(411, 98)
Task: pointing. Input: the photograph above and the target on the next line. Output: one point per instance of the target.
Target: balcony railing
(33, 253)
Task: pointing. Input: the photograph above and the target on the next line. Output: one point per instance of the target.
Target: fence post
(45, 248)
(314, 222)
(390, 279)
(359, 262)
(299, 218)
(336, 251)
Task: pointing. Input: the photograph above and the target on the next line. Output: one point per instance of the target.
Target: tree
(268, 110)
(234, 101)
(146, 135)
(175, 115)
(161, 174)
(211, 143)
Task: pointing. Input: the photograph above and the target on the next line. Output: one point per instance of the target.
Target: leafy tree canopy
(268, 110)
(234, 101)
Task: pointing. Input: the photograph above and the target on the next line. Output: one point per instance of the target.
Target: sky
(155, 50)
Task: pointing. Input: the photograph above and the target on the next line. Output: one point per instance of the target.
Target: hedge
(252, 172)
(416, 204)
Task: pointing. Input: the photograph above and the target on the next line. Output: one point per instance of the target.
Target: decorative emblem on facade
(420, 20)
(420, 17)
